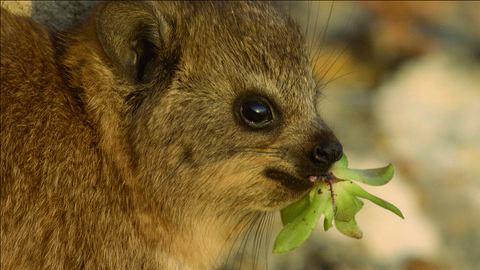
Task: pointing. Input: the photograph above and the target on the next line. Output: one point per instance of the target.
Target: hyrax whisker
(325, 28)
(245, 238)
(240, 226)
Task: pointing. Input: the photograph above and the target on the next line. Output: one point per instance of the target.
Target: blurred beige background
(402, 85)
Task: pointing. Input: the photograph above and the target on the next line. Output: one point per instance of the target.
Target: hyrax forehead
(248, 46)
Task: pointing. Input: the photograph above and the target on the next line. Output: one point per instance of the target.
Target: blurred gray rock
(55, 14)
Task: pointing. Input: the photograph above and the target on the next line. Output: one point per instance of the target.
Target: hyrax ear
(132, 34)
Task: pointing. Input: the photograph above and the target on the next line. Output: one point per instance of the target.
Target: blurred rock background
(402, 85)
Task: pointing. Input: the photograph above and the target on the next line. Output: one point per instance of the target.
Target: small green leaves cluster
(336, 197)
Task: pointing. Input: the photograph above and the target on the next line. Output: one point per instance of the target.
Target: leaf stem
(331, 179)
(334, 203)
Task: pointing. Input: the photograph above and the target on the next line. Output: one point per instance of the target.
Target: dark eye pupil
(256, 112)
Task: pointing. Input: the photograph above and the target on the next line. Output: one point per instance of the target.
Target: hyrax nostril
(327, 154)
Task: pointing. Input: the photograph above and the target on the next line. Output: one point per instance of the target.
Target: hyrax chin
(151, 136)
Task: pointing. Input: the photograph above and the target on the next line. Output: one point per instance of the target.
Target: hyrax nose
(327, 154)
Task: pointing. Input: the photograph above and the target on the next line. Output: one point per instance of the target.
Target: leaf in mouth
(336, 197)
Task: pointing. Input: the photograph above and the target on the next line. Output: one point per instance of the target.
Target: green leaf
(347, 205)
(329, 214)
(342, 163)
(301, 217)
(298, 230)
(290, 212)
(373, 177)
(356, 190)
(349, 228)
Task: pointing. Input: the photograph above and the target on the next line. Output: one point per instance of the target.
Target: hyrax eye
(255, 113)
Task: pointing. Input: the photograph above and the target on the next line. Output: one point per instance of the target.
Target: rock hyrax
(153, 134)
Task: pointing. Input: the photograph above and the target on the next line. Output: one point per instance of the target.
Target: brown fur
(102, 169)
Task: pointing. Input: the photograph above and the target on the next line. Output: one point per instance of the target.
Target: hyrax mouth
(289, 180)
(308, 171)
(323, 177)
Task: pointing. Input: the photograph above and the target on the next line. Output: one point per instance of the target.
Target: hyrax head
(220, 101)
